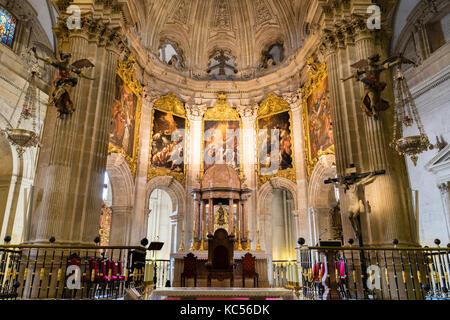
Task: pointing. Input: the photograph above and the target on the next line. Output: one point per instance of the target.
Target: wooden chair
(248, 269)
(190, 269)
(220, 257)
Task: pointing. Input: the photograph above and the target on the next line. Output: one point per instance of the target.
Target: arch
(265, 193)
(173, 188)
(321, 196)
(121, 179)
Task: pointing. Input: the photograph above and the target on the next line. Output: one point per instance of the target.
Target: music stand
(155, 246)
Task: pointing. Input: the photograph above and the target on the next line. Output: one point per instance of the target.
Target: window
(172, 55)
(7, 27)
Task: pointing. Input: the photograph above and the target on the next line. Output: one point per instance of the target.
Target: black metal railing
(353, 273)
(69, 272)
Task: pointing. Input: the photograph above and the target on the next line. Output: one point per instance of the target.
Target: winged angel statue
(368, 72)
(65, 79)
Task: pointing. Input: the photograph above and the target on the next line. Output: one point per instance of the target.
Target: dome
(221, 176)
(250, 36)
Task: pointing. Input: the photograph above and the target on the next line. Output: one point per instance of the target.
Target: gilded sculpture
(65, 79)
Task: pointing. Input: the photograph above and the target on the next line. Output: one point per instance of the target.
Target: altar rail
(69, 272)
(353, 273)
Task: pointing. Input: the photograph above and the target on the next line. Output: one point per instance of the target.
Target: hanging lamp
(406, 115)
(23, 135)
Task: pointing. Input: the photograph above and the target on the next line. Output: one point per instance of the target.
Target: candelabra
(258, 245)
(239, 240)
(182, 239)
(405, 114)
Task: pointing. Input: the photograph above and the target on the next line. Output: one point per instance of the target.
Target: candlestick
(202, 247)
(248, 241)
(182, 239)
(239, 240)
(258, 246)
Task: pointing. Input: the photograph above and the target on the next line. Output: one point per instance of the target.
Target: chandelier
(24, 135)
(406, 114)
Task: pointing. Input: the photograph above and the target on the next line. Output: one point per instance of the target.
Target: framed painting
(275, 140)
(168, 139)
(126, 113)
(221, 137)
(317, 111)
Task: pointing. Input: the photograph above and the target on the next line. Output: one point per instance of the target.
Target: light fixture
(406, 114)
(20, 136)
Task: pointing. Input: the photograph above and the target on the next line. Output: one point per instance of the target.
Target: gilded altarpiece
(317, 114)
(222, 136)
(126, 113)
(168, 139)
(275, 140)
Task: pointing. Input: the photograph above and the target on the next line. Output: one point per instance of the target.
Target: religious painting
(275, 140)
(221, 136)
(221, 140)
(167, 150)
(124, 117)
(7, 27)
(275, 144)
(168, 139)
(126, 110)
(317, 114)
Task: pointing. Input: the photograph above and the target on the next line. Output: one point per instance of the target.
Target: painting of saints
(124, 114)
(221, 143)
(168, 141)
(320, 122)
(275, 144)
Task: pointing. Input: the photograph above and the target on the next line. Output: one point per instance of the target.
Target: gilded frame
(168, 104)
(271, 106)
(316, 74)
(222, 112)
(127, 72)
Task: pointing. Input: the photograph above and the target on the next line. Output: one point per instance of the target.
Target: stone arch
(264, 213)
(177, 195)
(122, 186)
(321, 196)
(266, 191)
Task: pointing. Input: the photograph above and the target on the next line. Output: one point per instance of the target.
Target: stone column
(69, 178)
(248, 115)
(363, 140)
(298, 132)
(120, 225)
(196, 215)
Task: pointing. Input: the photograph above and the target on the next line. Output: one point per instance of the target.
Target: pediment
(440, 162)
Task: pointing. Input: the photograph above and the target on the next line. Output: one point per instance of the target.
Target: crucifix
(222, 59)
(351, 182)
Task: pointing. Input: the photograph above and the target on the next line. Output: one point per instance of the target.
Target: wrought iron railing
(159, 272)
(69, 272)
(353, 273)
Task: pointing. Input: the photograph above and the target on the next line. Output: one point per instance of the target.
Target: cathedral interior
(294, 147)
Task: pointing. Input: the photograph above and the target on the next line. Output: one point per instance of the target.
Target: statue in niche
(368, 72)
(60, 97)
(335, 222)
(221, 218)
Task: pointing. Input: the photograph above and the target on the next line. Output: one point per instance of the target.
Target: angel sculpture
(368, 72)
(65, 80)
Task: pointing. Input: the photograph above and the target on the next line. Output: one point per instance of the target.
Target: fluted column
(69, 178)
(295, 102)
(211, 217)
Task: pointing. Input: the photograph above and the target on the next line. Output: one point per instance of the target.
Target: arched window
(170, 53)
(106, 212)
(273, 56)
(7, 27)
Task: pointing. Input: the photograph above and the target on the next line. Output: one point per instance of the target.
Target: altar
(261, 267)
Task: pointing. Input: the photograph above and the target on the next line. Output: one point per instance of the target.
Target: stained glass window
(7, 27)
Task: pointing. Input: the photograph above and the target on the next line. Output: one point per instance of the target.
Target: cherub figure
(368, 72)
(65, 79)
